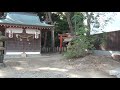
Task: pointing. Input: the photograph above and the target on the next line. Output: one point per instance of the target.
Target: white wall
(15, 30)
(20, 30)
(19, 53)
(32, 31)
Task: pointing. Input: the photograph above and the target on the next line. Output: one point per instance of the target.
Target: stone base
(106, 53)
(23, 55)
(116, 56)
(2, 65)
(115, 72)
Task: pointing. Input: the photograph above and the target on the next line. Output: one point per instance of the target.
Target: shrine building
(23, 31)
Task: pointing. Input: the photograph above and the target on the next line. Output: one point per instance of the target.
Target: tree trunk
(1, 14)
(45, 37)
(46, 17)
(50, 18)
(88, 22)
(69, 22)
(52, 31)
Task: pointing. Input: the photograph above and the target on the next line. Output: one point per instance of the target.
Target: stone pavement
(50, 66)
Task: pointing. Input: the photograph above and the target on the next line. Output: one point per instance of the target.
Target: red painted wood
(22, 26)
(60, 41)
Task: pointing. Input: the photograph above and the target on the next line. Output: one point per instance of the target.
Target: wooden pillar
(61, 43)
(5, 43)
(4, 33)
(52, 39)
(40, 41)
(24, 31)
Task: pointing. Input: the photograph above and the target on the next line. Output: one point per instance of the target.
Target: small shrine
(24, 32)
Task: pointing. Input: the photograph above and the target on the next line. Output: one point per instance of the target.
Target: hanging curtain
(36, 35)
(10, 34)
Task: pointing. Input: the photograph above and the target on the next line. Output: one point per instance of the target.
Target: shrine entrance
(23, 42)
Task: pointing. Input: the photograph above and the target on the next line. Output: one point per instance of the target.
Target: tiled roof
(21, 18)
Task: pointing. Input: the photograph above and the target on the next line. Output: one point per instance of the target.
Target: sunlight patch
(53, 69)
(1, 74)
(74, 76)
(18, 68)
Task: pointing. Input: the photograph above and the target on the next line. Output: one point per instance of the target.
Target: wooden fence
(113, 42)
(54, 50)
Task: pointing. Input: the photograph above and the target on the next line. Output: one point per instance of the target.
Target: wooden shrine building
(23, 31)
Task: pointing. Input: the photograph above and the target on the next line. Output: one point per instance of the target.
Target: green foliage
(99, 39)
(61, 26)
(79, 46)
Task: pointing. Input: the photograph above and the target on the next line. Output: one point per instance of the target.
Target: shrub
(81, 44)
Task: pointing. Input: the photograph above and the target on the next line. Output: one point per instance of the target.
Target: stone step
(27, 56)
(12, 56)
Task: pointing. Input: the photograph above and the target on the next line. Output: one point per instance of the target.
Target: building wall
(16, 45)
(113, 42)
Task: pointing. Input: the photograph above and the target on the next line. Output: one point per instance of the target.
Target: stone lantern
(2, 39)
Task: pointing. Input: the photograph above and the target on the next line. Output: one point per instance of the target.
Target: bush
(81, 44)
(78, 48)
(75, 51)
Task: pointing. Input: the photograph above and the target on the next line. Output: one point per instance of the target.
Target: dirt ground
(56, 66)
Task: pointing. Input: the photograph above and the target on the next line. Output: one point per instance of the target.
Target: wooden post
(60, 43)
(40, 41)
(5, 43)
(45, 39)
(52, 39)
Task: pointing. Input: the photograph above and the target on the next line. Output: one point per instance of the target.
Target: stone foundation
(23, 55)
(116, 56)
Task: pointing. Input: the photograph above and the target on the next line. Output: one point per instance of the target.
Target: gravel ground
(54, 66)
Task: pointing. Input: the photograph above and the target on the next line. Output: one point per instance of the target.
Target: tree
(61, 25)
(98, 20)
(41, 16)
(47, 20)
(79, 46)
(89, 18)
(2, 15)
(52, 31)
(68, 16)
(83, 42)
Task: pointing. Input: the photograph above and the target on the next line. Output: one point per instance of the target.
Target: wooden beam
(26, 26)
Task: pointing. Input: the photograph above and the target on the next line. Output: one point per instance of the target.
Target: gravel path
(54, 66)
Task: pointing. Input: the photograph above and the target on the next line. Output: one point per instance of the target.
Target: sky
(113, 25)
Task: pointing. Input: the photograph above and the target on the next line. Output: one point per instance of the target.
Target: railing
(54, 50)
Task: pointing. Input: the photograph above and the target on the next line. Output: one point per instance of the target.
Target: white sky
(113, 25)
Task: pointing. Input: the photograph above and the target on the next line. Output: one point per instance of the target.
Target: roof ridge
(24, 13)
